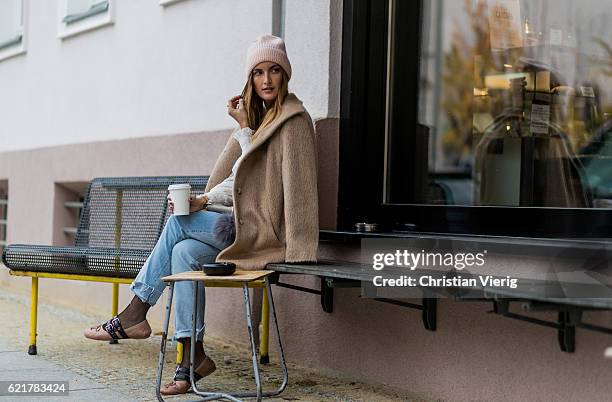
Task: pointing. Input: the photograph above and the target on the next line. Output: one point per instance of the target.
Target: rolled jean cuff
(186, 333)
(147, 294)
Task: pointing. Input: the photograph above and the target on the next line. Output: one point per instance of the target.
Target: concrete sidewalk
(126, 371)
(17, 366)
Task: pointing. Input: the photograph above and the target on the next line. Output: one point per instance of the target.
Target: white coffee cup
(179, 193)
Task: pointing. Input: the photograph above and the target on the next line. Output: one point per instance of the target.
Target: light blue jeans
(185, 242)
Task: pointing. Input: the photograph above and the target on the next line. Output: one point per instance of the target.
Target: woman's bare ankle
(134, 313)
(200, 355)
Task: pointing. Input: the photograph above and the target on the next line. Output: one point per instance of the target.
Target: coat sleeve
(300, 196)
(225, 162)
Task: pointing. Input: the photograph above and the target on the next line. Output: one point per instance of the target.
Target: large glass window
(518, 98)
(477, 116)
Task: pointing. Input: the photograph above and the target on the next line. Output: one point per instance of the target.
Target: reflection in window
(518, 96)
(77, 10)
(11, 23)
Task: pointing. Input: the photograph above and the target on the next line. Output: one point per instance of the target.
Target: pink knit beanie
(267, 48)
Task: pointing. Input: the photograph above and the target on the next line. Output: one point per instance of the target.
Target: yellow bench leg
(179, 353)
(115, 299)
(33, 316)
(264, 357)
(115, 306)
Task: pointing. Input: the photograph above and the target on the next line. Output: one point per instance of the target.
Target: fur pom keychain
(225, 229)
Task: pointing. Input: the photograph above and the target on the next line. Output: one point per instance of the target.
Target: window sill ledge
(533, 244)
(166, 3)
(68, 31)
(12, 52)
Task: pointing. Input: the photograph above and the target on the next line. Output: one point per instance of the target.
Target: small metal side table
(245, 279)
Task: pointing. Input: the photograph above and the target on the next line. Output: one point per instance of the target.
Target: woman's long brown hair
(259, 117)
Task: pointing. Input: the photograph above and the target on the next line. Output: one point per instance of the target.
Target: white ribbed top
(222, 193)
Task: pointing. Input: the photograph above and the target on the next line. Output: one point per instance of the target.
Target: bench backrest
(128, 212)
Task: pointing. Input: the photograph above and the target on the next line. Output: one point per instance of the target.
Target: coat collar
(291, 106)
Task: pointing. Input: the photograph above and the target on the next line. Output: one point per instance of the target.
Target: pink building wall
(472, 355)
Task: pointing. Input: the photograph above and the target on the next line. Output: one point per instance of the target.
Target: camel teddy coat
(275, 192)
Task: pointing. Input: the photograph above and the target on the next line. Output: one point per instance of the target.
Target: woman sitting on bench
(267, 171)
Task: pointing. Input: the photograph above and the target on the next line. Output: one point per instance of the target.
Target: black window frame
(362, 141)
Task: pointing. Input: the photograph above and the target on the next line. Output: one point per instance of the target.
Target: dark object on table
(219, 268)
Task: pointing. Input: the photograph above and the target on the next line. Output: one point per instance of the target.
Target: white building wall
(311, 74)
(155, 71)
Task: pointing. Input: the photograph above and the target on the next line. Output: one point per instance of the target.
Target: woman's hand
(235, 108)
(195, 203)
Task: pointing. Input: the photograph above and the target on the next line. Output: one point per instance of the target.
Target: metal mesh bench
(121, 220)
(120, 223)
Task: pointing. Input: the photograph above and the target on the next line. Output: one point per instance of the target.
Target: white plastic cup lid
(179, 186)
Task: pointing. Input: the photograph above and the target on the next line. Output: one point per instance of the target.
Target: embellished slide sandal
(112, 329)
(181, 382)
